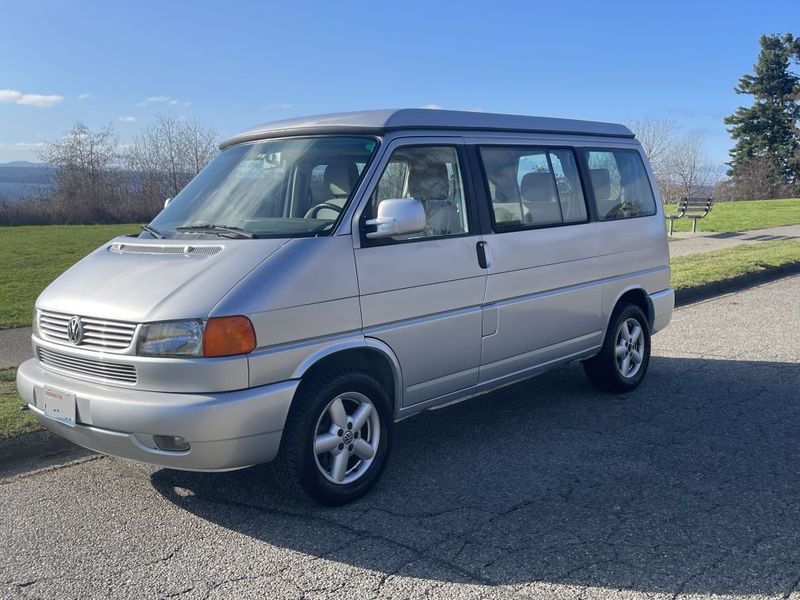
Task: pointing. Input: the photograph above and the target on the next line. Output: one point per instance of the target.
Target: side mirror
(398, 216)
(166, 202)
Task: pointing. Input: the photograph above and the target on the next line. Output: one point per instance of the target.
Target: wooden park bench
(691, 208)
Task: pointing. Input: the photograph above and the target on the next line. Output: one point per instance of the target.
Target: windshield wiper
(221, 230)
(153, 231)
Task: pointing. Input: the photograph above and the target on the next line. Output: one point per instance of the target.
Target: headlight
(35, 324)
(172, 338)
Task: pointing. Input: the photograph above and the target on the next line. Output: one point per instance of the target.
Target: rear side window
(621, 187)
(533, 187)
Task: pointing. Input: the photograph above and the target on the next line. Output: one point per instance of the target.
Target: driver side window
(432, 175)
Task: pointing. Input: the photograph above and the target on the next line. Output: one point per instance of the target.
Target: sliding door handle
(483, 257)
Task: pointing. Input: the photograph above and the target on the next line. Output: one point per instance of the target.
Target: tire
(323, 451)
(609, 370)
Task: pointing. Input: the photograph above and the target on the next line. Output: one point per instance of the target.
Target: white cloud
(127, 119)
(163, 100)
(30, 145)
(432, 106)
(277, 106)
(10, 95)
(39, 100)
(84, 96)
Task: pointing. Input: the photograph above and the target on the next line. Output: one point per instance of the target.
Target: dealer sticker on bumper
(59, 405)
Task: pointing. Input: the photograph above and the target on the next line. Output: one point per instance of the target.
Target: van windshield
(293, 187)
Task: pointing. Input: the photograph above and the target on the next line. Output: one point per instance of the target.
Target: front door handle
(483, 257)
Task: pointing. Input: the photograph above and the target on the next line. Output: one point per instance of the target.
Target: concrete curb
(735, 284)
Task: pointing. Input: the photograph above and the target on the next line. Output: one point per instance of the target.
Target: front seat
(540, 196)
(338, 181)
(430, 184)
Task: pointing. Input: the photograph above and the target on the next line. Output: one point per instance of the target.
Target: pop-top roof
(381, 121)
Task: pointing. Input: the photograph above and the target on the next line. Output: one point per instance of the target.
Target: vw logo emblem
(75, 330)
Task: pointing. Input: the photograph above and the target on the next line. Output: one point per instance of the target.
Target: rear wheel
(623, 360)
(337, 437)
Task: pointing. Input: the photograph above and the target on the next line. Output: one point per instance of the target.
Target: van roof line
(376, 122)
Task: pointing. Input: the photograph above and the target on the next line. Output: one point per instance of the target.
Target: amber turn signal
(227, 336)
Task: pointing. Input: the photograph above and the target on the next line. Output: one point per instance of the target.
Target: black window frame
(576, 155)
(585, 160)
(473, 221)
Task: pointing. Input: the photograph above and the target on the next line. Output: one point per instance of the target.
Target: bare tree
(657, 137)
(97, 181)
(86, 180)
(688, 166)
(166, 156)
(757, 179)
(680, 163)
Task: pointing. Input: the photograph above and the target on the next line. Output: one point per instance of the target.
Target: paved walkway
(694, 243)
(15, 347)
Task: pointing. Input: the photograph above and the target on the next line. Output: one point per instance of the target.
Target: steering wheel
(312, 212)
(623, 209)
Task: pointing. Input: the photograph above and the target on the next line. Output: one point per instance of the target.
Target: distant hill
(22, 163)
(23, 179)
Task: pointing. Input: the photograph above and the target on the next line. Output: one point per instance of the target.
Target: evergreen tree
(767, 130)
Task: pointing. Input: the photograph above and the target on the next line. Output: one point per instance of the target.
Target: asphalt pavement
(687, 487)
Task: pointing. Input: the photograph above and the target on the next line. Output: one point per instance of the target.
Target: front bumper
(227, 430)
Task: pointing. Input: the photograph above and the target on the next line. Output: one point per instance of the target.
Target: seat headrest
(503, 176)
(538, 187)
(601, 183)
(339, 178)
(429, 181)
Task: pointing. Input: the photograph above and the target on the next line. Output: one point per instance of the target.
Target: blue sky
(234, 64)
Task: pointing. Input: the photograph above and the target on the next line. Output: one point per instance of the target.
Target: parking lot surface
(688, 487)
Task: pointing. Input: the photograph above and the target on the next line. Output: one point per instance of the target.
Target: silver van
(325, 277)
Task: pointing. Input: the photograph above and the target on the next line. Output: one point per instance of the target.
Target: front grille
(97, 333)
(105, 371)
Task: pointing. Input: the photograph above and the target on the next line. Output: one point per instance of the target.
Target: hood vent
(183, 250)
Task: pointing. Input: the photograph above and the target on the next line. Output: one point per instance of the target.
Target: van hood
(128, 279)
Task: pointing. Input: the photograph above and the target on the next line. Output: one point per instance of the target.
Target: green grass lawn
(744, 215)
(31, 257)
(13, 421)
(696, 269)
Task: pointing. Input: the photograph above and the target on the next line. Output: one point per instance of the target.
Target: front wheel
(337, 437)
(623, 360)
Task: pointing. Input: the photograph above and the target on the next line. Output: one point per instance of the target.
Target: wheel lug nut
(350, 447)
(340, 433)
(341, 446)
(349, 425)
(355, 434)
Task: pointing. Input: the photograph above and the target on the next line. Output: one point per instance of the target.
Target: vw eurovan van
(324, 277)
